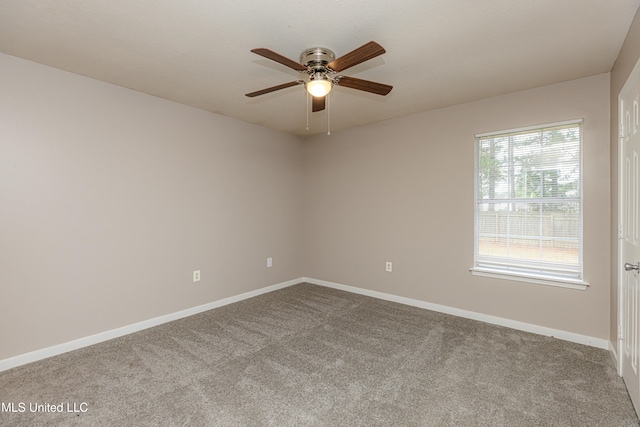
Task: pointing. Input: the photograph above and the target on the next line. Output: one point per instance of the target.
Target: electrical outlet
(389, 266)
(196, 275)
(269, 262)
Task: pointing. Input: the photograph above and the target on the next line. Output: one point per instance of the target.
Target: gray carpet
(309, 355)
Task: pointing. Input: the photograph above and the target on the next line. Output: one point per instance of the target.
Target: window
(528, 211)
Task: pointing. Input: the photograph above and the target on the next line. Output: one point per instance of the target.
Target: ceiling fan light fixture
(319, 86)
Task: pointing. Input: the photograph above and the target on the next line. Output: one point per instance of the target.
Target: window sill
(540, 280)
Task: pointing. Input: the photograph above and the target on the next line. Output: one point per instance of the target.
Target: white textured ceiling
(439, 52)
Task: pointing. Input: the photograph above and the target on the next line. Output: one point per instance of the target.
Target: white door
(629, 286)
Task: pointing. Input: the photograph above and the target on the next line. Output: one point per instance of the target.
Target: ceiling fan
(322, 66)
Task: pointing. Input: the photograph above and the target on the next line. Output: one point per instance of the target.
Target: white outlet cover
(269, 262)
(389, 266)
(196, 275)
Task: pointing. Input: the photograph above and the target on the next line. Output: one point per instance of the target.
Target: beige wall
(402, 191)
(109, 199)
(627, 58)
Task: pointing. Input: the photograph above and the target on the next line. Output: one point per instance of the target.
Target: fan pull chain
(328, 114)
(307, 108)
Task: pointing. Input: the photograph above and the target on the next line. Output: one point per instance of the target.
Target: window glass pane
(523, 223)
(493, 246)
(525, 249)
(559, 220)
(560, 251)
(493, 169)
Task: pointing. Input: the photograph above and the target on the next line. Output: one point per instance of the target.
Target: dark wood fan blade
(273, 88)
(355, 57)
(365, 85)
(318, 103)
(269, 54)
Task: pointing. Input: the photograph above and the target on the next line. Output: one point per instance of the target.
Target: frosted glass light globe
(319, 87)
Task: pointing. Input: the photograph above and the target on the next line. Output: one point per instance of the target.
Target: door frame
(633, 76)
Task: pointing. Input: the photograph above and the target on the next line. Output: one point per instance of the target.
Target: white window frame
(510, 270)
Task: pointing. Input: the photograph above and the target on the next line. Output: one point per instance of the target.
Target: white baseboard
(500, 321)
(33, 356)
(125, 330)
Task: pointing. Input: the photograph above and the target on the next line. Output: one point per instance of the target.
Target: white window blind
(528, 216)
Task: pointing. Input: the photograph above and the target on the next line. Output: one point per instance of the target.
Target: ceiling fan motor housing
(317, 59)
